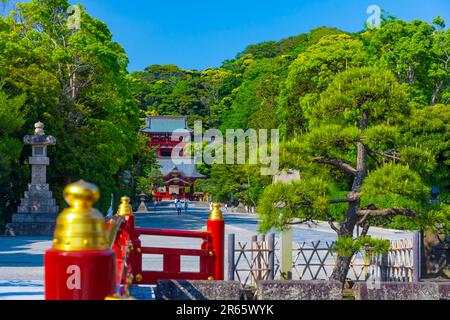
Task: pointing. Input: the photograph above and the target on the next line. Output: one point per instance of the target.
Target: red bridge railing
(94, 260)
(208, 257)
(122, 245)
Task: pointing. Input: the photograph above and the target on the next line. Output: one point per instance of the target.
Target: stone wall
(38, 229)
(299, 290)
(182, 290)
(444, 290)
(399, 291)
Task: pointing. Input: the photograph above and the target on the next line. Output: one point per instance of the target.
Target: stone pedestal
(31, 225)
(37, 213)
(142, 207)
(38, 200)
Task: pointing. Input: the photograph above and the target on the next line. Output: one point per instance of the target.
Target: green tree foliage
(255, 99)
(12, 119)
(348, 246)
(428, 130)
(151, 182)
(311, 73)
(264, 69)
(280, 85)
(231, 183)
(292, 46)
(75, 82)
(353, 154)
(293, 203)
(168, 90)
(241, 94)
(143, 161)
(417, 53)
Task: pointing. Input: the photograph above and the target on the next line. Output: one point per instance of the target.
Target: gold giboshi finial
(80, 227)
(216, 213)
(125, 209)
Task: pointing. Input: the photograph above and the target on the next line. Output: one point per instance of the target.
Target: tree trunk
(436, 92)
(411, 74)
(341, 269)
(342, 266)
(351, 217)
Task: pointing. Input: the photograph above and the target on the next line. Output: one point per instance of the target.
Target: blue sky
(198, 34)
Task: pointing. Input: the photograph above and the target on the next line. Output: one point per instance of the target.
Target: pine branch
(333, 226)
(337, 201)
(338, 163)
(389, 155)
(372, 156)
(365, 230)
(299, 222)
(365, 213)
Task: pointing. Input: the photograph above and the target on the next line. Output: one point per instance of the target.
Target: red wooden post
(81, 265)
(216, 226)
(136, 267)
(205, 261)
(135, 254)
(172, 263)
(135, 259)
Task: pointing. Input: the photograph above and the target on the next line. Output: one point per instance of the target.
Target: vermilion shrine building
(179, 178)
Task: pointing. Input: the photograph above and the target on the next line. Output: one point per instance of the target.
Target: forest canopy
(279, 85)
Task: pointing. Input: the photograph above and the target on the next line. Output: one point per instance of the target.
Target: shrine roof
(187, 170)
(166, 124)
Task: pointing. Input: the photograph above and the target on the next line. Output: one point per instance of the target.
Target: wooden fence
(251, 262)
(401, 263)
(261, 259)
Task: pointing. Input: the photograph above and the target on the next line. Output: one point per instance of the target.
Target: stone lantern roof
(39, 137)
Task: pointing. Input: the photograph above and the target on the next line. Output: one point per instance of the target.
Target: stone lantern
(142, 207)
(37, 213)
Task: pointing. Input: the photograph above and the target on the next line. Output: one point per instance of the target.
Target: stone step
(30, 229)
(37, 209)
(38, 205)
(38, 195)
(35, 218)
(38, 201)
(38, 187)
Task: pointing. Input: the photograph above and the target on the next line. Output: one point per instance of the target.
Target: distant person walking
(226, 207)
(186, 205)
(211, 206)
(179, 206)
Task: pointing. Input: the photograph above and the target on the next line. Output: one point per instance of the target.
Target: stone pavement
(21, 258)
(21, 290)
